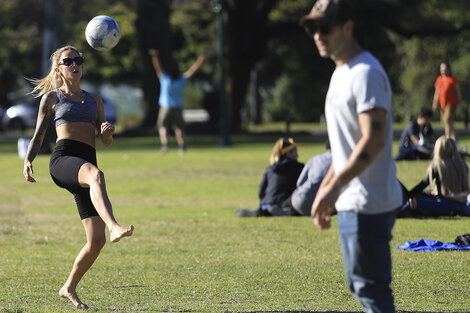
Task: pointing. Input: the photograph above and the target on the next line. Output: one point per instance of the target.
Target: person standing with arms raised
(361, 183)
(172, 86)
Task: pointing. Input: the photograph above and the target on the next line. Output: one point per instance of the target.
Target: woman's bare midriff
(78, 131)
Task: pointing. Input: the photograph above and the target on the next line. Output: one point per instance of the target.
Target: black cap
(329, 11)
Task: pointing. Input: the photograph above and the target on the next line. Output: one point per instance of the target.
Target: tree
(409, 38)
(22, 31)
(247, 41)
(422, 36)
(153, 31)
(20, 35)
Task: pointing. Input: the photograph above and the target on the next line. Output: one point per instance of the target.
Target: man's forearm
(372, 124)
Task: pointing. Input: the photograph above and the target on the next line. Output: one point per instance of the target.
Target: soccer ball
(102, 33)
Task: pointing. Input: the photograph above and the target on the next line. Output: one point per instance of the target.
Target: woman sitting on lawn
(278, 182)
(448, 175)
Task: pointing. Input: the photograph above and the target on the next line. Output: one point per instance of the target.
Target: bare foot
(118, 232)
(72, 296)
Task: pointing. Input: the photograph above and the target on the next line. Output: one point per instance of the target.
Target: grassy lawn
(189, 253)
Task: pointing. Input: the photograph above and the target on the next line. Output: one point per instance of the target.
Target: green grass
(189, 253)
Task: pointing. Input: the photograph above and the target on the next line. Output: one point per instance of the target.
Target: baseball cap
(328, 11)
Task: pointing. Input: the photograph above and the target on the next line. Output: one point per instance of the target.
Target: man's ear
(349, 25)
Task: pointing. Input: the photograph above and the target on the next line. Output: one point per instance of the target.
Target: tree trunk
(246, 44)
(153, 31)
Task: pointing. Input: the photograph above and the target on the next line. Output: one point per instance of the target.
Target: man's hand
(324, 206)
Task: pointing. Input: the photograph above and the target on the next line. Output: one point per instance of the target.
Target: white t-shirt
(355, 87)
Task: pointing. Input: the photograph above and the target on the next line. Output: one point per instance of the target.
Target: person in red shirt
(448, 94)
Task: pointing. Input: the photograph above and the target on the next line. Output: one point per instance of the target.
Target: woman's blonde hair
(281, 147)
(52, 80)
(450, 166)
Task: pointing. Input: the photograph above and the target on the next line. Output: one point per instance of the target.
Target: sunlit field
(189, 253)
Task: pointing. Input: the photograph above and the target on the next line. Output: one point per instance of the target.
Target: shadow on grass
(433, 311)
(344, 312)
(295, 312)
(187, 311)
(151, 141)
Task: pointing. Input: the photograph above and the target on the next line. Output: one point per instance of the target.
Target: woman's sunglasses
(69, 61)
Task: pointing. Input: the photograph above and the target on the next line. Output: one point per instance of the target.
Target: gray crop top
(67, 111)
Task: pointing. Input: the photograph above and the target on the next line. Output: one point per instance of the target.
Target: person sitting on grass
(417, 140)
(448, 175)
(309, 181)
(278, 182)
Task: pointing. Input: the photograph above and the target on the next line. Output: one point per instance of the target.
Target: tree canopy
(271, 65)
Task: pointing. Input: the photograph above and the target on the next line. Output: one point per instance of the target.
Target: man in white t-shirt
(361, 183)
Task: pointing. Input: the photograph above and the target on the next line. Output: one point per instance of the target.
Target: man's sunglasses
(322, 28)
(69, 61)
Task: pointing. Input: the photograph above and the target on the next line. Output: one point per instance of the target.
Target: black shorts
(170, 117)
(66, 160)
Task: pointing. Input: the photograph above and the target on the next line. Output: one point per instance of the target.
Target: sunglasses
(69, 61)
(322, 28)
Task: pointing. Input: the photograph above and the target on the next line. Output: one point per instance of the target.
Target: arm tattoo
(44, 117)
(33, 150)
(364, 156)
(376, 125)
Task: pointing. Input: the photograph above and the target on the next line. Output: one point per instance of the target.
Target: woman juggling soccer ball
(77, 116)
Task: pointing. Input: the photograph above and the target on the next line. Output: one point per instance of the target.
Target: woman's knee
(97, 243)
(90, 174)
(98, 177)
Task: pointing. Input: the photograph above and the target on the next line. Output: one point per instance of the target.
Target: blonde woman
(77, 116)
(278, 182)
(448, 175)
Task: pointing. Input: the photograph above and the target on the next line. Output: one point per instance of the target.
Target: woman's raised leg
(91, 177)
